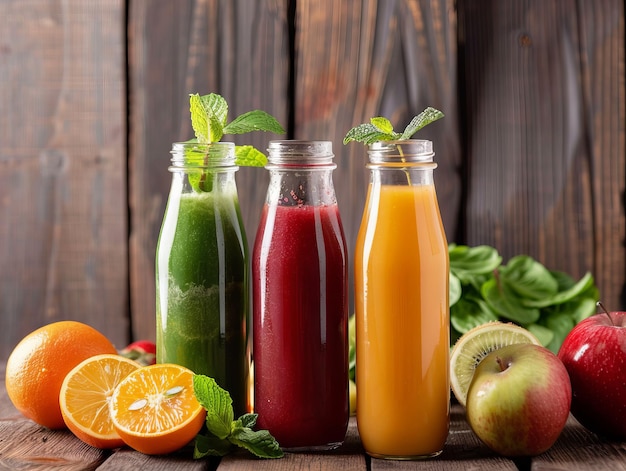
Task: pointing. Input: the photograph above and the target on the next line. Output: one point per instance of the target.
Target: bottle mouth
(299, 153)
(193, 154)
(401, 151)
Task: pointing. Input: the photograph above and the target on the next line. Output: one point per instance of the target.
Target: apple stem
(501, 363)
(601, 306)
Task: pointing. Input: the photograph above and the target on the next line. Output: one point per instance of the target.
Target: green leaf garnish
(208, 117)
(259, 442)
(256, 120)
(223, 433)
(381, 129)
(218, 404)
(209, 122)
(429, 115)
(248, 156)
(383, 125)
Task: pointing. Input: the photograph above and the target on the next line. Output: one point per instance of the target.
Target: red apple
(594, 353)
(519, 400)
(142, 351)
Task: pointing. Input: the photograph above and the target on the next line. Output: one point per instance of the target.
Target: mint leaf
(248, 420)
(218, 404)
(382, 124)
(210, 445)
(380, 128)
(429, 115)
(208, 117)
(223, 431)
(367, 134)
(248, 156)
(256, 120)
(261, 443)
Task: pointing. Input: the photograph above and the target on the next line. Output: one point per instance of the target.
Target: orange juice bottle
(402, 309)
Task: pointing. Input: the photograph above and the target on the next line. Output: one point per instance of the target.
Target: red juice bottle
(300, 302)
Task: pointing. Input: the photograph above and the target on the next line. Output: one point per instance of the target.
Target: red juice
(300, 326)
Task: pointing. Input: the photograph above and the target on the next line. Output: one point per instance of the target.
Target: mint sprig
(381, 129)
(209, 114)
(224, 433)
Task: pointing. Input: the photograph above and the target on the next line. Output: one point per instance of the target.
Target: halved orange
(155, 410)
(85, 394)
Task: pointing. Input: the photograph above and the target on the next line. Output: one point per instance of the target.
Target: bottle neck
(409, 151)
(203, 168)
(407, 175)
(294, 154)
(192, 156)
(301, 187)
(300, 173)
(405, 162)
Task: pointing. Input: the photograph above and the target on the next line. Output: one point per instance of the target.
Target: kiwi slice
(476, 344)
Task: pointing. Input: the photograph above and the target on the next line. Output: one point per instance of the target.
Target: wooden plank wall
(531, 152)
(63, 177)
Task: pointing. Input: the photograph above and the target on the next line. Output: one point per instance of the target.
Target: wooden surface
(25, 445)
(92, 94)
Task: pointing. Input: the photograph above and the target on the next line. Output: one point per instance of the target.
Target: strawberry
(142, 351)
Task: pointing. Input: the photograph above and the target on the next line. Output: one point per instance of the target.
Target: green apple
(519, 400)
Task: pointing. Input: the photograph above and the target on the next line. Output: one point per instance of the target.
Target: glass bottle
(300, 298)
(202, 270)
(402, 309)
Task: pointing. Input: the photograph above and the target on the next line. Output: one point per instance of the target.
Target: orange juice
(402, 323)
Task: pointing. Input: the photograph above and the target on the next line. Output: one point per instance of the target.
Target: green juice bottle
(202, 271)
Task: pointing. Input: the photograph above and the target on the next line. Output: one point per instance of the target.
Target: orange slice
(85, 394)
(155, 410)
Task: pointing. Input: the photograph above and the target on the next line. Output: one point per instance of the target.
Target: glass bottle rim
(300, 153)
(198, 155)
(401, 151)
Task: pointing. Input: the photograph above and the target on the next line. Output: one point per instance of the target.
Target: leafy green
(248, 156)
(352, 347)
(548, 303)
(223, 432)
(469, 312)
(209, 122)
(380, 128)
(470, 262)
(256, 120)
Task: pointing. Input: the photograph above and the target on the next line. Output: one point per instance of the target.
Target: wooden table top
(26, 445)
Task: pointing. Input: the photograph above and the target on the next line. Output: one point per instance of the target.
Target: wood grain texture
(128, 459)
(26, 445)
(543, 86)
(579, 450)
(238, 49)
(355, 60)
(63, 235)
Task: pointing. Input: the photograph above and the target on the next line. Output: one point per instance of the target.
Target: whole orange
(37, 366)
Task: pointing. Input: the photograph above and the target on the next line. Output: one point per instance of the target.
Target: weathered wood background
(93, 92)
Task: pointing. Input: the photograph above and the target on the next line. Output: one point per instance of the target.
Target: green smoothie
(202, 288)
